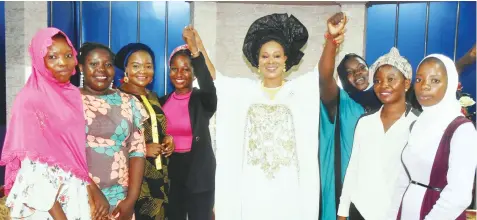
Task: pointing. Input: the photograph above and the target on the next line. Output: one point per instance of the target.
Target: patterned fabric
(114, 135)
(394, 59)
(155, 185)
(38, 186)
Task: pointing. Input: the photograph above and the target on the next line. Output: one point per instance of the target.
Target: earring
(284, 68)
(258, 68)
(81, 79)
(125, 78)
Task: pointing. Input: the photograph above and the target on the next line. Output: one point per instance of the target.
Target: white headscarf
(434, 120)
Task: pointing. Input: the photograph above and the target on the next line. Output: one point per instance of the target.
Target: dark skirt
(153, 197)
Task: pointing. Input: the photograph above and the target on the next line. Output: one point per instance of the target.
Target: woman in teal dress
(342, 104)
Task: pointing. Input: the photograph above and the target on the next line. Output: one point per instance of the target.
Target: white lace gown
(267, 150)
(36, 187)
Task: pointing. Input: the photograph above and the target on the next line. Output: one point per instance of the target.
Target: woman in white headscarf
(440, 158)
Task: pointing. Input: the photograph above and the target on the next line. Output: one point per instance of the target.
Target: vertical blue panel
(3, 92)
(124, 28)
(152, 32)
(442, 19)
(380, 30)
(465, 39)
(95, 21)
(411, 32)
(48, 11)
(178, 18)
(124, 24)
(62, 16)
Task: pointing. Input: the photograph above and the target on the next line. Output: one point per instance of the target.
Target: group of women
(98, 152)
(137, 143)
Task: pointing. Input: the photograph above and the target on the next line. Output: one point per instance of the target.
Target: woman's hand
(101, 204)
(189, 38)
(153, 150)
(198, 40)
(124, 210)
(168, 146)
(336, 24)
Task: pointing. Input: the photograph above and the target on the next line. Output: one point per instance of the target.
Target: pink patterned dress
(114, 135)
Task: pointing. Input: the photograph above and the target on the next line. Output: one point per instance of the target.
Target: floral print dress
(114, 135)
(37, 187)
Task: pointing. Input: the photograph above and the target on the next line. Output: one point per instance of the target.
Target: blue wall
(410, 34)
(158, 24)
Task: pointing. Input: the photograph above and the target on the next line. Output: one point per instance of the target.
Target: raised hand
(198, 40)
(336, 24)
(189, 38)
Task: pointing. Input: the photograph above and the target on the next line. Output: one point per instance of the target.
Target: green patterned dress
(155, 186)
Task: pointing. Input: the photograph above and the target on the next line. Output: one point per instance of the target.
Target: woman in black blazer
(188, 111)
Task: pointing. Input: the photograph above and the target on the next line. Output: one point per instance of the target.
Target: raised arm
(464, 61)
(202, 70)
(201, 47)
(328, 87)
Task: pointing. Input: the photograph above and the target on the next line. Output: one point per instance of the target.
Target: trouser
(184, 204)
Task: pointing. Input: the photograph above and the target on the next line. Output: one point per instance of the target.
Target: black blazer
(202, 106)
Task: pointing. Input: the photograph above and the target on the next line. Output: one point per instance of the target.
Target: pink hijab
(47, 122)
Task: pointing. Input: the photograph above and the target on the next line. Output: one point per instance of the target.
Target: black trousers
(354, 213)
(182, 202)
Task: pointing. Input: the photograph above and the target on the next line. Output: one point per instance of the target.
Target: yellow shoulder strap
(155, 133)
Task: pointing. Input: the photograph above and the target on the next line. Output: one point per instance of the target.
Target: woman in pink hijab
(44, 151)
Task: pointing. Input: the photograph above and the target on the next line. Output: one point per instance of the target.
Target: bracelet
(329, 37)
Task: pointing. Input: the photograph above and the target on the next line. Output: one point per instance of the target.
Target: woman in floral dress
(115, 142)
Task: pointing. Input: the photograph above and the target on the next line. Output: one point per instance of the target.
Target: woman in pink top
(188, 111)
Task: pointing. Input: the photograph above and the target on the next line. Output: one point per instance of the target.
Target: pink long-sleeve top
(176, 110)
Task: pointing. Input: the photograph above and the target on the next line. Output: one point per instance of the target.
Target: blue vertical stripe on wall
(123, 24)
(465, 39)
(178, 18)
(152, 26)
(124, 28)
(95, 21)
(411, 31)
(3, 92)
(63, 17)
(442, 19)
(380, 30)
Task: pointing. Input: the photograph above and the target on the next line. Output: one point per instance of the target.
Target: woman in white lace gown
(267, 130)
